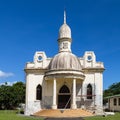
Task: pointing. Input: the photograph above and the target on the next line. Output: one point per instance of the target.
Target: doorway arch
(64, 97)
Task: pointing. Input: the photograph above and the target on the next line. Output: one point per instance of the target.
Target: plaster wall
(32, 81)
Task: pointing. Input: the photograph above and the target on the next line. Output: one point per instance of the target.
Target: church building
(64, 81)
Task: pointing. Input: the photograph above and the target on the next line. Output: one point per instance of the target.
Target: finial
(64, 17)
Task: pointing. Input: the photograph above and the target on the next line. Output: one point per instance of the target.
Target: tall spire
(64, 38)
(64, 17)
(64, 31)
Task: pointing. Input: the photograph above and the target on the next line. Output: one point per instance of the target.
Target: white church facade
(64, 81)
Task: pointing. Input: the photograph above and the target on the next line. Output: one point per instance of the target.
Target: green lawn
(112, 117)
(11, 115)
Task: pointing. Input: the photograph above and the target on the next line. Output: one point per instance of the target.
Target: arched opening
(89, 91)
(39, 92)
(64, 97)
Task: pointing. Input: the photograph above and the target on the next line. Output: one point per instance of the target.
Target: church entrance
(64, 97)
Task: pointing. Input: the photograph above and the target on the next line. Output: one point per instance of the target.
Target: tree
(12, 96)
(6, 96)
(113, 89)
(19, 93)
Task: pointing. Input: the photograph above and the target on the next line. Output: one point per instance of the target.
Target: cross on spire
(64, 17)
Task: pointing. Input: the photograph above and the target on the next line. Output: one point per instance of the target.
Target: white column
(54, 106)
(74, 106)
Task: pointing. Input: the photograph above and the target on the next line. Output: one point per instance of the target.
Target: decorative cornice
(57, 76)
(64, 74)
(64, 39)
(35, 70)
(87, 70)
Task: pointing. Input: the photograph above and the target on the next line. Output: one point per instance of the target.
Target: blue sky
(27, 26)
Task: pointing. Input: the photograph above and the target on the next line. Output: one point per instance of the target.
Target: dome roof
(64, 31)
(65, 61)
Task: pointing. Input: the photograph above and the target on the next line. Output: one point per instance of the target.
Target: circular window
(89, 58)
(39, 58)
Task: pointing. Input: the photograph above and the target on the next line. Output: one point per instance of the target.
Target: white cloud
(9, 83)
(5, 74)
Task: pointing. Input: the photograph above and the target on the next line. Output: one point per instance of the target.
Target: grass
(110, 117)
(12, 115)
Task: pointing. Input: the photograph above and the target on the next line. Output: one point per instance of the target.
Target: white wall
(32, 81)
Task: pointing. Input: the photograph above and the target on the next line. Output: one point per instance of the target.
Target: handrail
(67, 103)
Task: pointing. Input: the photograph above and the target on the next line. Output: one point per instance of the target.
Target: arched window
(39, 92)
(89, 91)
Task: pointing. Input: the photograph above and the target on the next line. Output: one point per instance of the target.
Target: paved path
(79, 118)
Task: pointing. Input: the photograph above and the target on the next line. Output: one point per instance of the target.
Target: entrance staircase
(63, 113)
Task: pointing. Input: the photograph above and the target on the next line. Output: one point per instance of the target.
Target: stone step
(63, 113)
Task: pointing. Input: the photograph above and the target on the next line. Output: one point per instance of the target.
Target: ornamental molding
(35, 70)
(64, 39)
(64, 74)
(93, 70)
